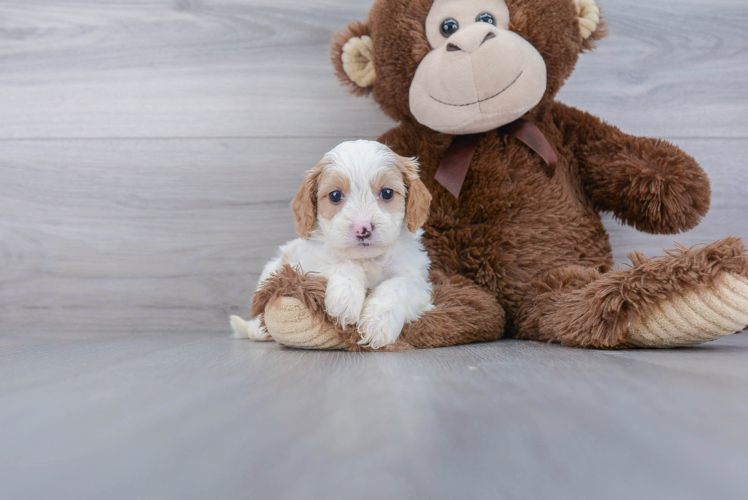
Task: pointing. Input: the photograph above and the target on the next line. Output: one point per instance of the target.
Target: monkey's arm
(647, 183)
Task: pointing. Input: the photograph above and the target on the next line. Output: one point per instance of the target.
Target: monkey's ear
(352, 55)
(591, 25)
(304, 204)
(418, 198)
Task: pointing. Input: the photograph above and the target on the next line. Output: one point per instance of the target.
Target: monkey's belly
(506, 252)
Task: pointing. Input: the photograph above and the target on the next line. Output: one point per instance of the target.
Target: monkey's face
(465, 66)
(479, 75)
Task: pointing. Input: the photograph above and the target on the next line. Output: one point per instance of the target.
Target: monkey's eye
(449, 26)
(335, 197)
(484, 18)
(387, 194)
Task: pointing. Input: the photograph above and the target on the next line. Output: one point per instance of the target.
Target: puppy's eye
(449, 26)
(335, 197)
(387, 194)
(484, 18)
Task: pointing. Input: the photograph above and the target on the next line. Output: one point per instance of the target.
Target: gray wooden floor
(148, 153)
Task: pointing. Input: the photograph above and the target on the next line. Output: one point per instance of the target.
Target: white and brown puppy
(358, 215)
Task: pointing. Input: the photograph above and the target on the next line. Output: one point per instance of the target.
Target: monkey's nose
(472, 37)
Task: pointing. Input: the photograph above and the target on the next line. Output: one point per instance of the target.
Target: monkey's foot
(687, 297)
(291, 323)
(292, 307)
(694, 317)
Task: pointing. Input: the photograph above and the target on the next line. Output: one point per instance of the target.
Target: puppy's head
(359, 198)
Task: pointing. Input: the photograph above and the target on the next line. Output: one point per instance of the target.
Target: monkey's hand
(647, 183)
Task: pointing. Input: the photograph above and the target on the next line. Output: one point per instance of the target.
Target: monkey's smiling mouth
(480, 100)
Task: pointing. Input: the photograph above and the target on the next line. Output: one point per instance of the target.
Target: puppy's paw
(378, 326)
(251, 329)
(344, 303)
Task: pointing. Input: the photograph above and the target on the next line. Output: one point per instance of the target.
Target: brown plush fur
(291, 282)
(524, 254)
(580, 307)
(340, 39)
(309, 289)
(463, 312)
(647, 183)
(397, 28)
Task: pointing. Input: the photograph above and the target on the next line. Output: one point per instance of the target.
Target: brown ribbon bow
(455, 164)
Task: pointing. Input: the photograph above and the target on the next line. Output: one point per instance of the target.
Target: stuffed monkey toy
(518, 181)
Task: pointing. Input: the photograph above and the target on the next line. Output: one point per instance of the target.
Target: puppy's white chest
(373, 272)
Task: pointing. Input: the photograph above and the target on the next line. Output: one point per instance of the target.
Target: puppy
(358, 214)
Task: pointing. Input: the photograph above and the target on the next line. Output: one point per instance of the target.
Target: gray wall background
(149, 149)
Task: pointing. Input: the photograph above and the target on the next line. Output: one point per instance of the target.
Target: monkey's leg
(463, 313)
(685, 298)
(293, 309)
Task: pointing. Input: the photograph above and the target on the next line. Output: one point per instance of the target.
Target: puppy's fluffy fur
(359, 214)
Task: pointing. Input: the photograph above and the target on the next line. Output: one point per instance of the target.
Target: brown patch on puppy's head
(304, 204)
(328, 182)
(391, 178)
(418, 198)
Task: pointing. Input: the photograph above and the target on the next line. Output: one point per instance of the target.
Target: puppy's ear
(352, 55)
(418, 198)
(304, 204)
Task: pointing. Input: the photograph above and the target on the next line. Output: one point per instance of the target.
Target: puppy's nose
(363, 230)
